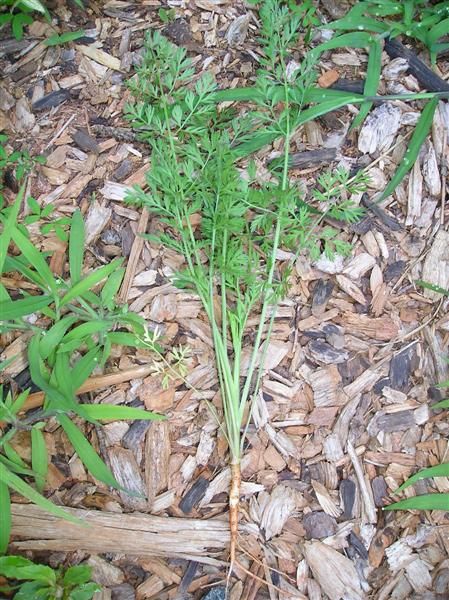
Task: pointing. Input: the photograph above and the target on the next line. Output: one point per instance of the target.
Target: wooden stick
(136, 534)
(134, 256)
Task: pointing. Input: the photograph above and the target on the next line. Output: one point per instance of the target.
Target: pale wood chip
(334, 572)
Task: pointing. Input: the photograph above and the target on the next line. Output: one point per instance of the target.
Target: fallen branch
(136, 534)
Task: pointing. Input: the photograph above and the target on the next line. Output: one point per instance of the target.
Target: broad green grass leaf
(54, 398)
(372, 80)
(262, 138)
(39, 458)
(84, 367)
(419, 135)
(9, 225)
(64, 38)
(87, 283)
(356, 39)
(34, 5)
(15, 309)
(441, 404)
(18, 263)
(436, 32)
(15, 457)
(76, 246)
(123, 338)
(52, 337)
(111, 288)
(436, 471)
(86, 453)
(15, 466)
(25, 490)
(36, 259)
(5, 516)
(107, 412)
(422, 502)
(19, 401)
(79, 333)
(5, 237)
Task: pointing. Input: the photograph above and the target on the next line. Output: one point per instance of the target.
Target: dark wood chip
(319, 525)
(323, 352)
(85, 141)
(194, 495)
(426, 77)
(347, 494)
(394, 271)
(135, 434)
(51, 100)
(400, 367)
(380, 490)
(321, 294)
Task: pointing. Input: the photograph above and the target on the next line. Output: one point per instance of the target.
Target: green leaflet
(5, 516)
(419, 135)
(422, 502)
(50, 340)
(349, 40)
(64, 38)
(87, 283)
(17, 484)
(105, 412)
(39, 457)
(86, 453)
(36, 259)
(372, 80)
(17, 567)
(76, 247)
(15, 309)
(436, 471)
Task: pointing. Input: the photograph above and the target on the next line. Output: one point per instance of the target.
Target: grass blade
(107, 412)
(422, 502)
(436, 471)
(84, 367)
(39, 458)
(360, 39)
(36, 259)
(15, 309)
(76, 246)
(54, 335)
(441, 404)
(419, 135)
(5, 516)
(5, 237)
(25, 490)
(372, 80)
(431, 286)
(87, 283)
(68, 36)
(86, 453)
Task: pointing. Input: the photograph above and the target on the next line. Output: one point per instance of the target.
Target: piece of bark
(319, 525)
(194, 495)
(347, 495)
(312, 158)
(425, 76)
(134, 534)
(335, 573)
(157, 455)
(127, 472)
